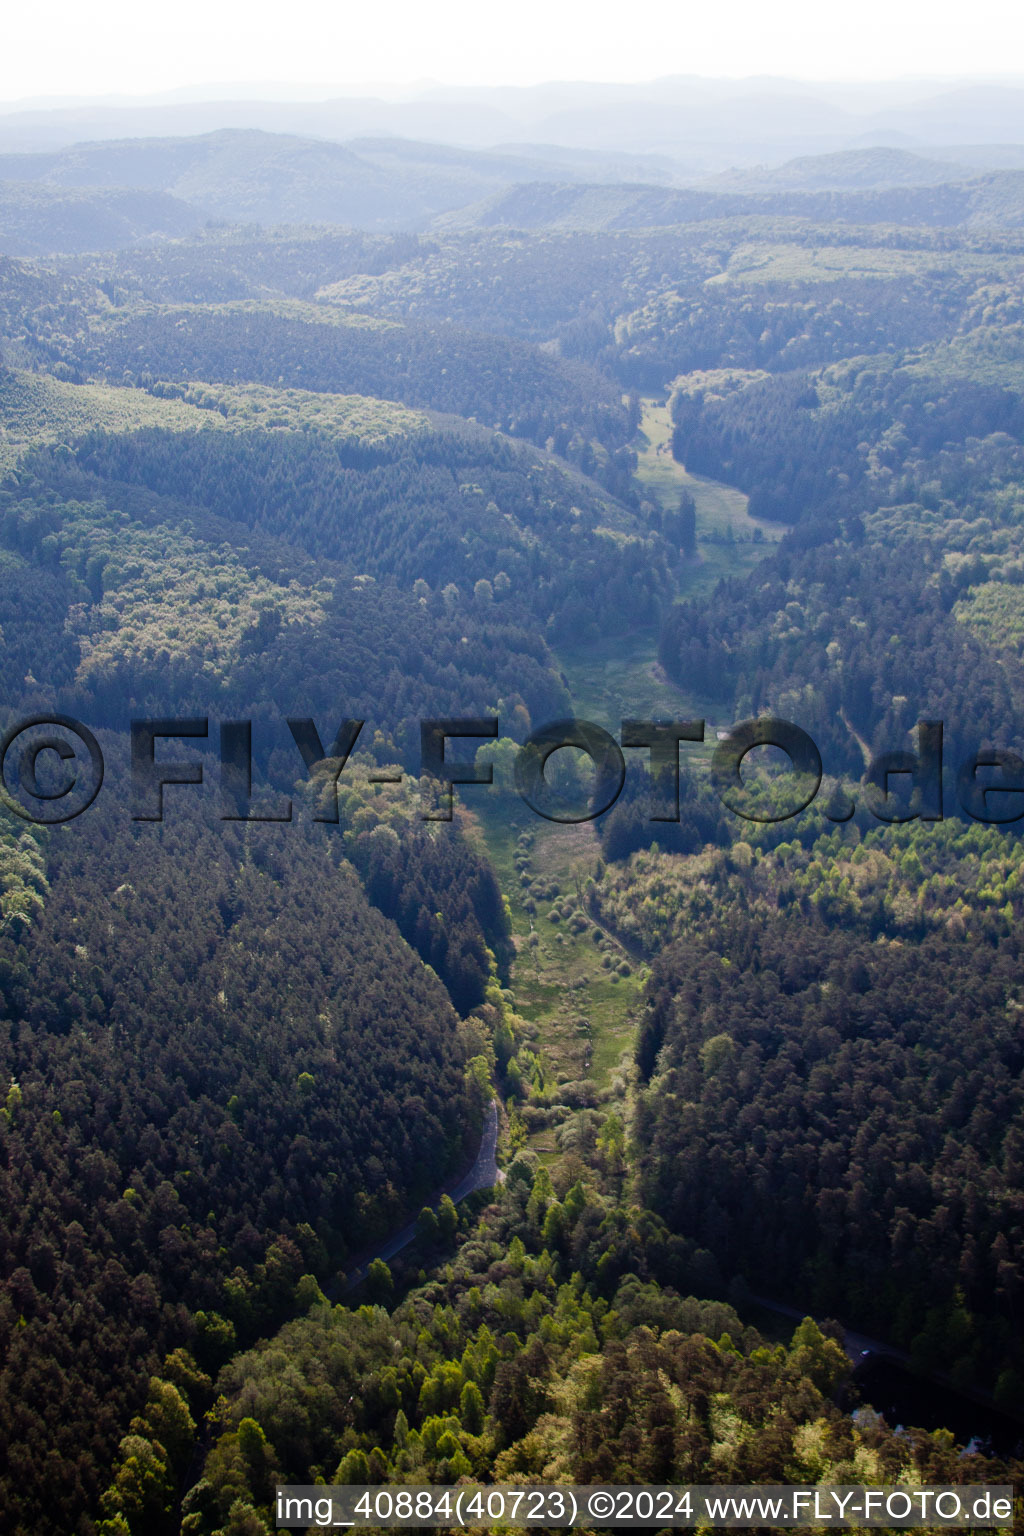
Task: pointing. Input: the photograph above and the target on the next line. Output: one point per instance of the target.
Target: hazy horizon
(119, 49)
(288, 92)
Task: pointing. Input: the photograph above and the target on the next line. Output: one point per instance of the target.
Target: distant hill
(37, 220)
(603, 165)
(986, 157)
(996, 200)
(264, 178)
(706, 125)
(117, 194)
(851, 169)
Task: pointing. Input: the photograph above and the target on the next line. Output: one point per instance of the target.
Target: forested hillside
(253, 177)
(292, 533)
(40, 219)
(816, 1098)
(193, 1119)
(996, 199)
(512, 388)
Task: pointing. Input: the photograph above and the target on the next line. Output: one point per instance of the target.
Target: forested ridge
(835, 1013)
(193, 1120)
(316, 472)
(393, 580)
(826, 1139)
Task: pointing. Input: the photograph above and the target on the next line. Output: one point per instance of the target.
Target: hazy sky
(129, 46)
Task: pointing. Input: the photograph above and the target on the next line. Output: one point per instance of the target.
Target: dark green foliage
(446, 902)
(450, 506)
(570, 286)
(853, 1129)
(315, 519)
(801, 456)
(628, 826)
(301, 637)
(887, 616)
(218, 265)
(199, 1120)
(379, 1283)
(783, 327)
(996, 199)
(856, 614)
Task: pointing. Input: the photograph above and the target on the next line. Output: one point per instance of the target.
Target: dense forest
(193, 1120)
(815, 1099)
(625, 452)
(533, 1356)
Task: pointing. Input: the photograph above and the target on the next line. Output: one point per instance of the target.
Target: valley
(413, 432)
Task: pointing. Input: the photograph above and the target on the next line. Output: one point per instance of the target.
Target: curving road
(484, 1174)
(857, 1344)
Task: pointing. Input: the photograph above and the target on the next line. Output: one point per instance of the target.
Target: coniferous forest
(495, 440)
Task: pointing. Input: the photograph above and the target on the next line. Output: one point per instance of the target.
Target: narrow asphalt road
(484, 1174)
(857, 1344)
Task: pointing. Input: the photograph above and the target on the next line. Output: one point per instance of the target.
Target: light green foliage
(142, 1487)
(715, 1053)
(167, 597)
(995, 611)
(308, 1293)
(768, 262)
(913, 879)
(500, 756)
(379, 1283)
(166, 1419)
(252, 1441)
(13, 1101)
(23, 882)
(427, 1224)
(531, 1372)
(35, 408)
(819, 1358)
